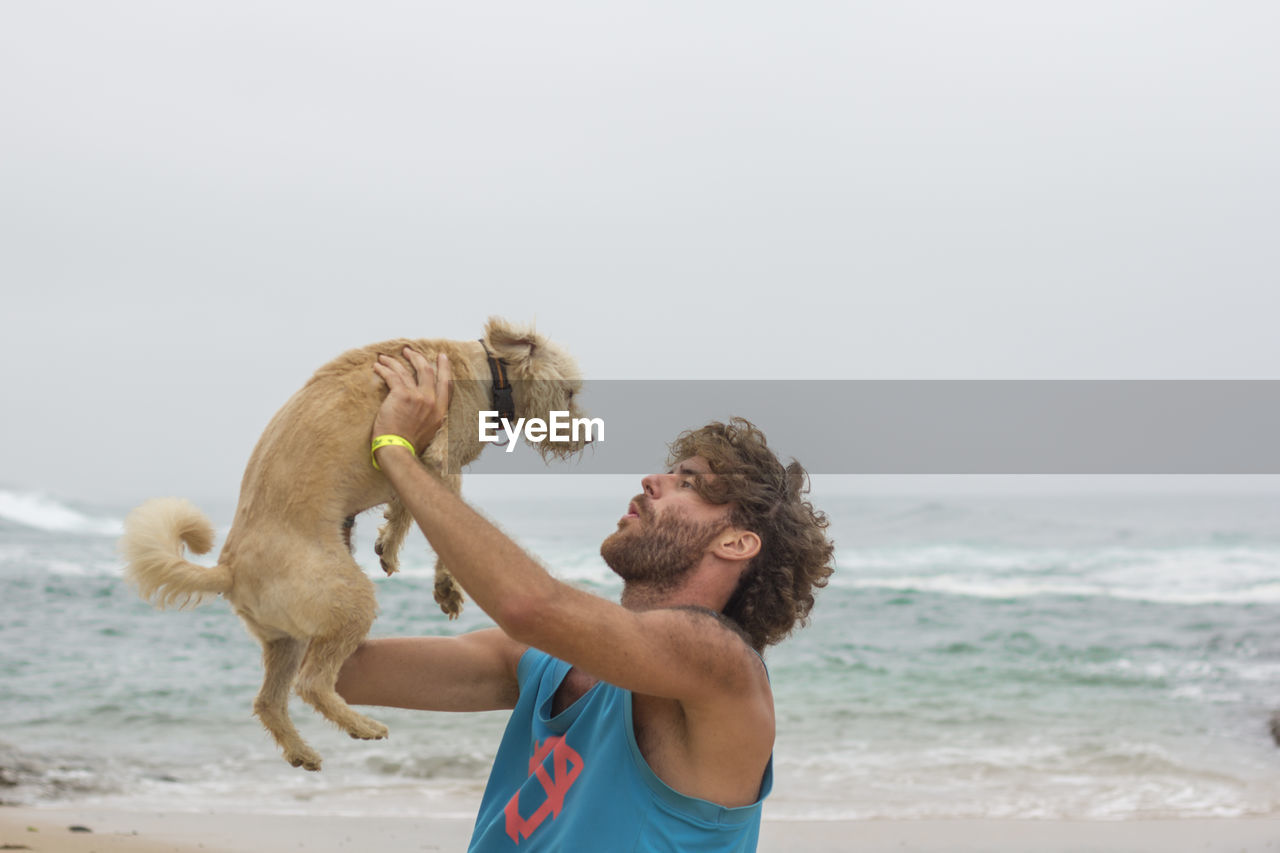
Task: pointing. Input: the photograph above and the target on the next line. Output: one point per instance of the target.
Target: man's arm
(471, 672)
(674, 654)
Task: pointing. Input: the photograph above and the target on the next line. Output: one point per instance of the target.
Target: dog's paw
(389, 561)
(449, 597)
(367, 729)
(306, 758)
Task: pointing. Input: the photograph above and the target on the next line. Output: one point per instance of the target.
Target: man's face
(666, 530)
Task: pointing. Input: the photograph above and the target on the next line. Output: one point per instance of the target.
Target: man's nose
(652, 485)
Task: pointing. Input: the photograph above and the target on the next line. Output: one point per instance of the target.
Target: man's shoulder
(714, 618)
(716, 743)
(724, 635)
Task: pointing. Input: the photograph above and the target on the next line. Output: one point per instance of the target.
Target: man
(647, 725)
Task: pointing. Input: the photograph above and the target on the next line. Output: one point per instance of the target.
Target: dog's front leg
(447, 592)
(391, 535)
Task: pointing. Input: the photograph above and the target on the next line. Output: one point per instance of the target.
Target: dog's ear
(513, 344)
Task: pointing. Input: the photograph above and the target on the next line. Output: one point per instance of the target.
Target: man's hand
(418, 400)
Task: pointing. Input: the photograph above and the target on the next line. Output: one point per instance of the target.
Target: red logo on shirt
(566, 765)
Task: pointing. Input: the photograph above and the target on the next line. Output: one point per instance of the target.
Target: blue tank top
(577, 781)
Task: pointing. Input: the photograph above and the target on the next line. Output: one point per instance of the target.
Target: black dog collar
(503, 401)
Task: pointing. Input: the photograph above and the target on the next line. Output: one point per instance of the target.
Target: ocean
(1104, 657)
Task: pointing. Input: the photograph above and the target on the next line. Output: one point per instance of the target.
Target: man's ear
(735, 544)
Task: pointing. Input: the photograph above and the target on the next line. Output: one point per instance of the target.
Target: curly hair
(775, 592)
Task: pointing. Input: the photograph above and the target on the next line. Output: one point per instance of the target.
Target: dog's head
(544, 379)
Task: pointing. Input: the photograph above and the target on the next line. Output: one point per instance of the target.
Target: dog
(287, 566)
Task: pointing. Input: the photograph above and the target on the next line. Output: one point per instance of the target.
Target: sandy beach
(48, 830)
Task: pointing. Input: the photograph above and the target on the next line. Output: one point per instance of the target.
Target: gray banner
(939, 426)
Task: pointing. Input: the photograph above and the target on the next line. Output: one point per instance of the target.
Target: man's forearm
(475, 671)
(498, 575)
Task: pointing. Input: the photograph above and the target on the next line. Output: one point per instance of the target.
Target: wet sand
(46, 830)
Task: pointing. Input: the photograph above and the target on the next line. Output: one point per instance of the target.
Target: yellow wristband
(387, 441)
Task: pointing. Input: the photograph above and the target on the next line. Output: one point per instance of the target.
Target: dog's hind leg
(281, 659)
(325, 657)
(391, 535)
(337, 634)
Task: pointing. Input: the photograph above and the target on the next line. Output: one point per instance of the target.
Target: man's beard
(660, 552)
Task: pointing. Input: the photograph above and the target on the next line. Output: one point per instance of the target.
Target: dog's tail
(154, 536)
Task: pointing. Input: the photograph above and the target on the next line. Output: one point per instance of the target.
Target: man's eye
(686, 484)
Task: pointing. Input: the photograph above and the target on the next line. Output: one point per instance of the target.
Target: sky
(200, 203)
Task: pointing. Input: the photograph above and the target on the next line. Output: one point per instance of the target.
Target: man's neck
(688, 593)
(707, 585)
(644, 597)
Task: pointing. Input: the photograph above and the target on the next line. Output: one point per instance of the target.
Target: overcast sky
(200, 203)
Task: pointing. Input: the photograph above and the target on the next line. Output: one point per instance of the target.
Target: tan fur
(285, 566)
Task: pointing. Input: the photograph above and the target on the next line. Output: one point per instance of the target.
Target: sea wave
(42, 512)
(1189, 575)
(1023, 587)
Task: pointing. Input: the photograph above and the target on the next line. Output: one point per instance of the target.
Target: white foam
(1026, 780)
(90, 569)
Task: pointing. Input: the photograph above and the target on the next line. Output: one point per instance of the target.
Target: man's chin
(617, 551)
(609, 543)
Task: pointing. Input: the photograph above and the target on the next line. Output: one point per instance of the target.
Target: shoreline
(116, 830)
